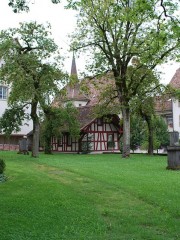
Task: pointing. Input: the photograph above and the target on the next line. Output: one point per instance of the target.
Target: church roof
(163, 104)
(87, 116)
(175, 81)
(73, 92)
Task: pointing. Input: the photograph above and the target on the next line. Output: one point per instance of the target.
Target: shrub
(2, 166)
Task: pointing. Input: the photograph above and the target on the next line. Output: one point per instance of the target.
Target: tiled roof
(89, 89)
(163, 104)
(73, 92)
(70, 93)
(98, 85)
(175, 81)
(86, 116)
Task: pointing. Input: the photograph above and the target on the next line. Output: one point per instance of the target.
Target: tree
(161, 132)
(23, 5)
(116, 32)
(137, 131)
(27, 69)
(150, 137)
(12, 119)
(147, 112)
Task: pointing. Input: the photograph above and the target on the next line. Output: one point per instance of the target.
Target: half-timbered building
(96, 134)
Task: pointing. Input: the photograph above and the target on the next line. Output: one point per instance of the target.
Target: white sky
(62, 22)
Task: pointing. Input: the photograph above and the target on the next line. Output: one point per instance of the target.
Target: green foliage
(26, 66)
(86, 146)
(137, 131)
(23, 5)
(2, 166)
(161, 132)
(140, 133)
(111, 144)
(12, 119)
(58, 120)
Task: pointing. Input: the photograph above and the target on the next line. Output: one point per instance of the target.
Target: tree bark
(36, 129)
(126, 132)
(150, 135)
(48, 131)
(35, 145)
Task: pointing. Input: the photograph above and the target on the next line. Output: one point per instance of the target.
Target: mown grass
(98, 197)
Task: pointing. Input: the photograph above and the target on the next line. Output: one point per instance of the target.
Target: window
(3, 92)
(60, 141)
(110, 138)
(110, 143)
(169, 121)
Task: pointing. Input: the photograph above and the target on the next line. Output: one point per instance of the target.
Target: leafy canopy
(32, 64)
(23, 5)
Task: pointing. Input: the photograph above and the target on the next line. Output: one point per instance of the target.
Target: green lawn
(81, 197)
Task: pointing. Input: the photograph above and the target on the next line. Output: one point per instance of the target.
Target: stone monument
(174, 152)
(23, 146)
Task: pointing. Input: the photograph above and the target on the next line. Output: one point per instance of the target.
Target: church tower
(73, 67)
(73, 88)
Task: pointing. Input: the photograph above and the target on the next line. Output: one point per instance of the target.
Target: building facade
(12, 142)
(169, 107)
(97, 135)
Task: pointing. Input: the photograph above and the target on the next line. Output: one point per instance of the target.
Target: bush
(2, 166)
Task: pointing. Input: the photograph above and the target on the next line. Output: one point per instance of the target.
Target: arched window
(3, 92)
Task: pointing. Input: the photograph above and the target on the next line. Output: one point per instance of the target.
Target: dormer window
(3, 92)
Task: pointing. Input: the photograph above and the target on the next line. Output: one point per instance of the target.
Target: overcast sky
(62, 22)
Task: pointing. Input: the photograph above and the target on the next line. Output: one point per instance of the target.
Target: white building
(175, 83)
(11, 143)
(169, 107)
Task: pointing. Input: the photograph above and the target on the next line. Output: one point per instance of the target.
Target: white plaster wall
(3, 106)
(79, 103)
(176, 116)
(27, 125)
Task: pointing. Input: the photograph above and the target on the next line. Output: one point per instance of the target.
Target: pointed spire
(73, 67)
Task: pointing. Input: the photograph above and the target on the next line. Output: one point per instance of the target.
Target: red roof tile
(175, 81)
(163, 104)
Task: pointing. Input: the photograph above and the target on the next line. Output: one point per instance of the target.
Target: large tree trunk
(126, 132)
(48, 130)
(36, 129)
(35, 144)
(150, 135)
